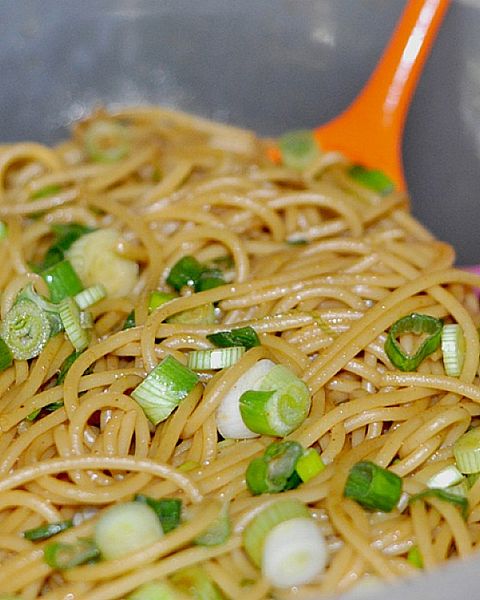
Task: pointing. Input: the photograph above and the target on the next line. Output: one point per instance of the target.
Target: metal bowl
(270, 65)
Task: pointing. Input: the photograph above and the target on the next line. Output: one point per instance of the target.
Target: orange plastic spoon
(370, 130)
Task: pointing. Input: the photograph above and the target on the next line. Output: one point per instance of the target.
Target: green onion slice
(46, 191)
(372, 178)
(91, 296)
(373, 487)
(168, 510)
(70, 316)
(129, 321)
(3, 230)
(164, 388)
(64, 236)
(418, 324)
(6, 357)
(194, 582)
(467, 451)
(67, 363)
(309, 465)
(62, 281)
(106, 141)
(275, 471)
(243, 336)
(158, 298)
(299, 149)
(446, 496)
(446, 477)
(209, 279)
(218, 532)
(259, 527)
(186, 271)
(414, 557)
(201, 315)
(154, 590)
(47, 531)
(279, 404)
(126, 528)
(220, 358)
(50, 309)
(25, 330)
(66, 556)
(453, 349)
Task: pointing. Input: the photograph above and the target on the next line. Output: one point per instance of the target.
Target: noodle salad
(225, 377)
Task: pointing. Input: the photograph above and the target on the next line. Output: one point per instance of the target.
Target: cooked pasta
(315, 263)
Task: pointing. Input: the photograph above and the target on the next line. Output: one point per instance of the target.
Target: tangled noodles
(184, 228)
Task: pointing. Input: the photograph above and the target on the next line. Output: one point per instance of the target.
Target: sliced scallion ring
(260, 526)
(221, 358)
(298, 148)
(70, 316)
(164, 388)
(418, 324)
(90, 296)
(243, 336)
(62, 281)
(445, 478)
(278, 405)
(106, 141)
(467, 451)
(25, 329)
(453, 349)
(373, 487)
(59, 555)
(309, 465)
(294, 553)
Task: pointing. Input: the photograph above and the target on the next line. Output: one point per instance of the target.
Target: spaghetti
(316, 263)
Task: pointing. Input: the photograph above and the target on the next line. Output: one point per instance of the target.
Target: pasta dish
(223, 376)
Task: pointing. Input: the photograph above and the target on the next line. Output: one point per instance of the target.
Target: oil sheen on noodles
(319, 265)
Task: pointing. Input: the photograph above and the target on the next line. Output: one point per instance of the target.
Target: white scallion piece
(294, 553)
(90, 295)
(453, 349)
(229, 420)
(445, 478)
(125, 528)
(71, 320)
(220, 358)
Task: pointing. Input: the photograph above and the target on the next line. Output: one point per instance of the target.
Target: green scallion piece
(218, 532)
(25, 330)
(299, 149)
(67, 363)
(106, 141)
(70, 316)
(279, 404)
(129, 321)
(154, 590)
(195, 583)
(243, 336)
(220, 358)
(418, 324)
(446, 496)
(47, 531)
(49, 308)
(62, 281)
(453, 349)
(64, 236)
(46, 191)
(158, 298)
(168, 510)
(275, 472)
(66, 556)
(164, 388)
(373, 487)
(414, 557)
(6, 357)
(259, 527)
(3, 230)
(372, 178)
(90, 296)
(467, 451)
(201, 315)
(309, 465)
(210, 278)
(186, 271)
